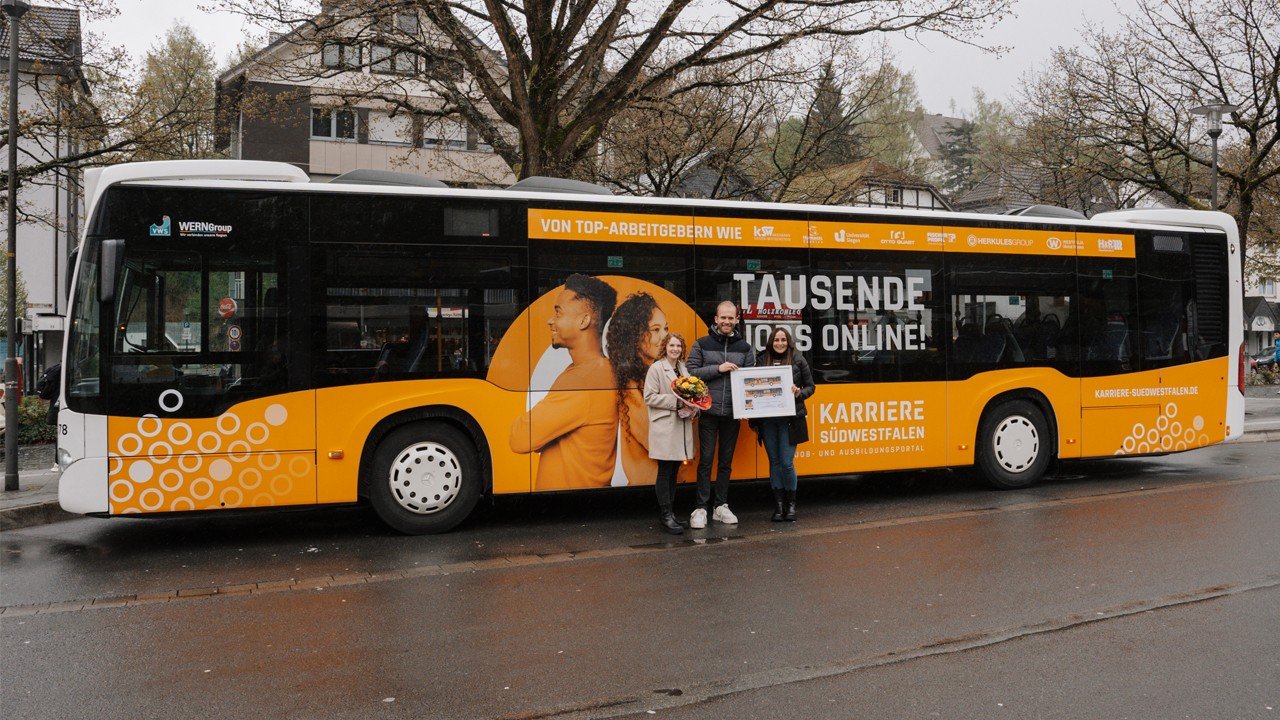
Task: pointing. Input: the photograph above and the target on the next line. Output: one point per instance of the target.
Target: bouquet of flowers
(692, 390)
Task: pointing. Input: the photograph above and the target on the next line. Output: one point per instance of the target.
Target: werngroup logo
(1054, 243)
(196, 228)
(163, 229)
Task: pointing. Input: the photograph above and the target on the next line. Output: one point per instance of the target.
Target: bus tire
(1014, 445)
(426, 478)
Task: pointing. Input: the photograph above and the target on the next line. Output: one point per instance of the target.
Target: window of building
(338, 55)
(1268, 287)
(390, 129)
(444, 133)
(893, 196)
(407, 22)
(337, 124)
(392, 62)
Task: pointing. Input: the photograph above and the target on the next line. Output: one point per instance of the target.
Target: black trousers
(665, 486)
(715, 431)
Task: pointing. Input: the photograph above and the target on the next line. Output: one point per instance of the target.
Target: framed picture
(760, 392)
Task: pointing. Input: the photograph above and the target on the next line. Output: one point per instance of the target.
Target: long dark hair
(772, 356)
(629, 324)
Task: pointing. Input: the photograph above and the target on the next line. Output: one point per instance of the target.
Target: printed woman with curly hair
(634, 341)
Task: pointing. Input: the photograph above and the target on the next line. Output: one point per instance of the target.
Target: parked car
(1263, 360)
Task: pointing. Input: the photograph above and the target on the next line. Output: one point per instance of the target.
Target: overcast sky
(945, 71)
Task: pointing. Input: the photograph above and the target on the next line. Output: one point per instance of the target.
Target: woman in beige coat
(670, 425)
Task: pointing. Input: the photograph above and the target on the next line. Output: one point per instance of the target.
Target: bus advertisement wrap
(422, 348)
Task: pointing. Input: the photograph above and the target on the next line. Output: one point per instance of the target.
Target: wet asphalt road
(1125, 589)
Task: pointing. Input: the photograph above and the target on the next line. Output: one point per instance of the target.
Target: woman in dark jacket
(781, 435)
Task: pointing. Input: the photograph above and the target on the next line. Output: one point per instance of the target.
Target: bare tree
(540, 80)
(796, 138)
(1126, 97)
(92, 106)
(698, 143)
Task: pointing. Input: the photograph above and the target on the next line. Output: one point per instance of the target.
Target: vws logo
(162, 229)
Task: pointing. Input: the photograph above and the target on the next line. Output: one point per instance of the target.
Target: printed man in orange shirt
(575, 427)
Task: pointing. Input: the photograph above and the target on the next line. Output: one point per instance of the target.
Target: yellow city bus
(242, 338)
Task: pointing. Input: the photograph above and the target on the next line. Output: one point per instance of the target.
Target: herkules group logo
(973, 241)
(162, 229)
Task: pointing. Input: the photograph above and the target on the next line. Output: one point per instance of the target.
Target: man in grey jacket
(712, 358)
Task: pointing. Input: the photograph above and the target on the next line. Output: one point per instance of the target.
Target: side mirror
(109, 269)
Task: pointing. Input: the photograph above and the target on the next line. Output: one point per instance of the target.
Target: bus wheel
(1013, 445)
(426, 478)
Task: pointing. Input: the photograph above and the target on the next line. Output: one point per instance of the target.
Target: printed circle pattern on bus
(1167, 434)
(170, 465)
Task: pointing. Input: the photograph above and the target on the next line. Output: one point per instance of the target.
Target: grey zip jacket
(705, 358)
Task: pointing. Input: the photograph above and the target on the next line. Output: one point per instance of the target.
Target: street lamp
(1213, 113)
(14, 9)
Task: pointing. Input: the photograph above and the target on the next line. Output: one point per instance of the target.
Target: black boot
(778, 499)
(670, 524)
(790, 514)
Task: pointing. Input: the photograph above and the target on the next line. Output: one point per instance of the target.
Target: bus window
(1010, 311)
(398, 312)
(208, 325)
(885, 322)
(1107, 324)
(652, 286)
(1182, 310)
(83, 354)
(761, 281)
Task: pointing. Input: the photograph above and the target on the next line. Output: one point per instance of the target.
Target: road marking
(205, 593)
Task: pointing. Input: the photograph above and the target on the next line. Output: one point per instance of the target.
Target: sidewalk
(36, 502)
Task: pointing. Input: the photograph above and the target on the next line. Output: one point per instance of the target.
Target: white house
(50, 86)
(305, 100)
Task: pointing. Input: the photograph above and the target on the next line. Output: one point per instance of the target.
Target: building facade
(51, 86)
(352, 102)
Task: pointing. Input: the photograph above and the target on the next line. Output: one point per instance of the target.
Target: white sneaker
(698, 520)
(724, 515)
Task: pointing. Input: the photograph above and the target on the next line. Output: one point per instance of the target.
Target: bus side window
(891, 328)
(400, 312)
(1010, 311)
(1182, 313)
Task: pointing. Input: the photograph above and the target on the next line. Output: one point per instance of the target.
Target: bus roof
(283, 177)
